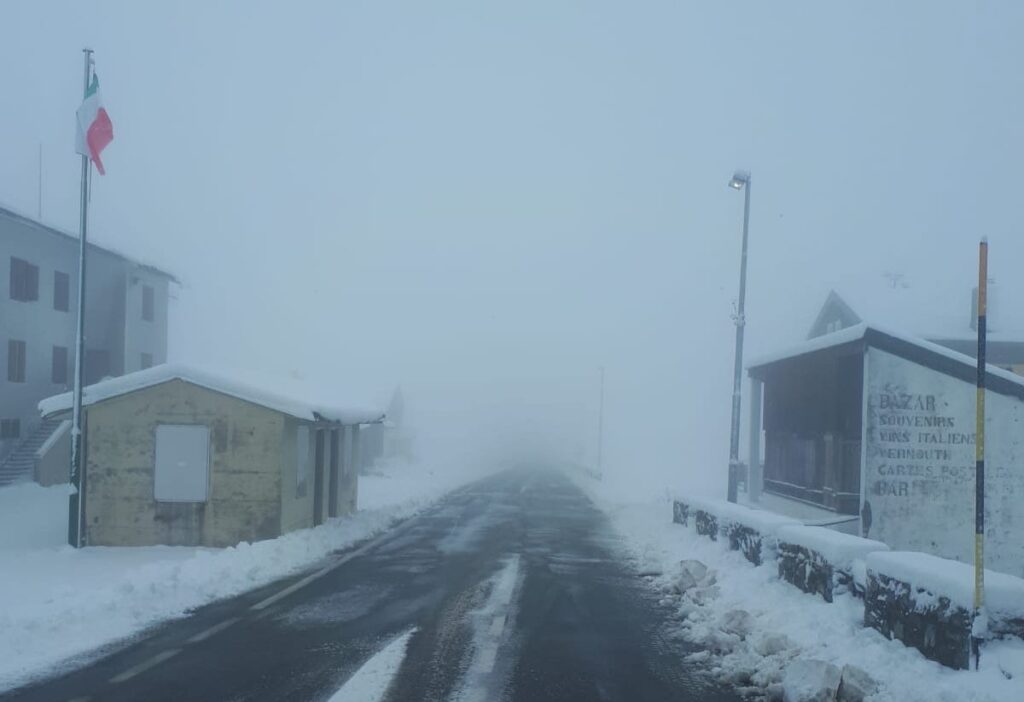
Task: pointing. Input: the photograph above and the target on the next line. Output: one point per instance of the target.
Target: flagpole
(75, 506)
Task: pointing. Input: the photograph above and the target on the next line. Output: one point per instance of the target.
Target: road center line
(216, 628)
(390, 534)
(145, 665)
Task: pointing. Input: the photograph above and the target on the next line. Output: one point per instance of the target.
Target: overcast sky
(487, 201)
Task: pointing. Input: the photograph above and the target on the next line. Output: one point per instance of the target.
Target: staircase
(20, 464)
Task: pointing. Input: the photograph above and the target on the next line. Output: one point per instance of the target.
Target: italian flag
(94, 128)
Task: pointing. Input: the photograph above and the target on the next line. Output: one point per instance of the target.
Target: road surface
(512, 588)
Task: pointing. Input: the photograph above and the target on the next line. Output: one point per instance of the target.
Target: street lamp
(740, 181)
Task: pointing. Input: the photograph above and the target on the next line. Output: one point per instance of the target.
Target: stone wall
(942, 631)
(921, 614)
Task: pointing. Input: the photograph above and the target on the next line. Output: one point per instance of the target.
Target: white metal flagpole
(75, 506)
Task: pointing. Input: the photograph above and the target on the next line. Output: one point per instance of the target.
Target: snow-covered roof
(940, 311)
(874, 333)
(282, 394)
(24, 219)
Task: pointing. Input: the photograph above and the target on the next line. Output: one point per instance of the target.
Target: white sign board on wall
(182, 463)
(919, 464)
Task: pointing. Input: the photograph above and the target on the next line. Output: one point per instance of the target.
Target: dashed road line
(263, 604)
(390, 534)
(216, 628)
(145, 665)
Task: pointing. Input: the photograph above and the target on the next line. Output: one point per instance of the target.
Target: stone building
(182, 456)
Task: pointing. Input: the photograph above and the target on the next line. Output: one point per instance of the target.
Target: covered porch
(812, 427)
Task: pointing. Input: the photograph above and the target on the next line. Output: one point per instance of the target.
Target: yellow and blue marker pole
(979, 626)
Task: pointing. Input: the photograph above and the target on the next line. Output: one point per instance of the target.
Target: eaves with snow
(282, 394)
(926, 353)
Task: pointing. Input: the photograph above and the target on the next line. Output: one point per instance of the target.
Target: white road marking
(371, 681)
(489, 634)
(216, 628)
(263, 604)
(498, 625)
(145, 665)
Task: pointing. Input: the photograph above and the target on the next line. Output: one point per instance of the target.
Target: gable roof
(24, 220)
(932, 312)
(925, 353)
(284, 395)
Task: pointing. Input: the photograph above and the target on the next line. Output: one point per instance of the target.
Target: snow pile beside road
(753, 625)
(57, 602)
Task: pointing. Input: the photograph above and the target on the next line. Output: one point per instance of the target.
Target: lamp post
(740, 181)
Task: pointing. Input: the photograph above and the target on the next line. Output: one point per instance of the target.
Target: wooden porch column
(755, 472)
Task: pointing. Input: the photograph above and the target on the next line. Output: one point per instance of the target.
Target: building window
(61, 291)
(97, 365)
(16, 361)
(146, 361)
(181, 471)
(24, 280)
(147, 303)
(59, 372)
(10, 428)
(301, 460)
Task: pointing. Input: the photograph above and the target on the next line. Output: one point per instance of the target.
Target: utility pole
(39, 203)
(75, 506)
(979, 626)
(600, 428)
(740, 181)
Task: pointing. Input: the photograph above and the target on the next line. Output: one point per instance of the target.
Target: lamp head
(739, 179)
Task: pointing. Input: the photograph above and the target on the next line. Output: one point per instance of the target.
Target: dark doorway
(332, 482)
(318, 479)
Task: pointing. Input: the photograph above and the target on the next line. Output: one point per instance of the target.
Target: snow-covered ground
(58, 603)
(755, 624)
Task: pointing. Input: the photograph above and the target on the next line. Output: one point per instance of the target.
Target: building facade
(125, 324)
(182, 457)
(873, 432)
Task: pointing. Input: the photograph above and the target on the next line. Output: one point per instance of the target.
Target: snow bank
(785, 623)
(57, 602)
(1004, 594)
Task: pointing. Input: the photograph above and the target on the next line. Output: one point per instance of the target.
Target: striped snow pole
(979, 627)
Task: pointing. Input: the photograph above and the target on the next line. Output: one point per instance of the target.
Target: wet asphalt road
(513, 585)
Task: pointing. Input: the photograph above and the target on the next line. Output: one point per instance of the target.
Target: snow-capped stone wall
(823, 561)
(927, 602)
(751, 531)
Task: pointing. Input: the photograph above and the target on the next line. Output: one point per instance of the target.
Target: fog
(486, 203)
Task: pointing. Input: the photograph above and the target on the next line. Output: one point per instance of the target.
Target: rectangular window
(182, 467)
(24, 280)
(146, 361)
(16, 361)
(10, 428)
(147, 303)
(59, 372)
(301, 460)
(97, 366)
(61, 291)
